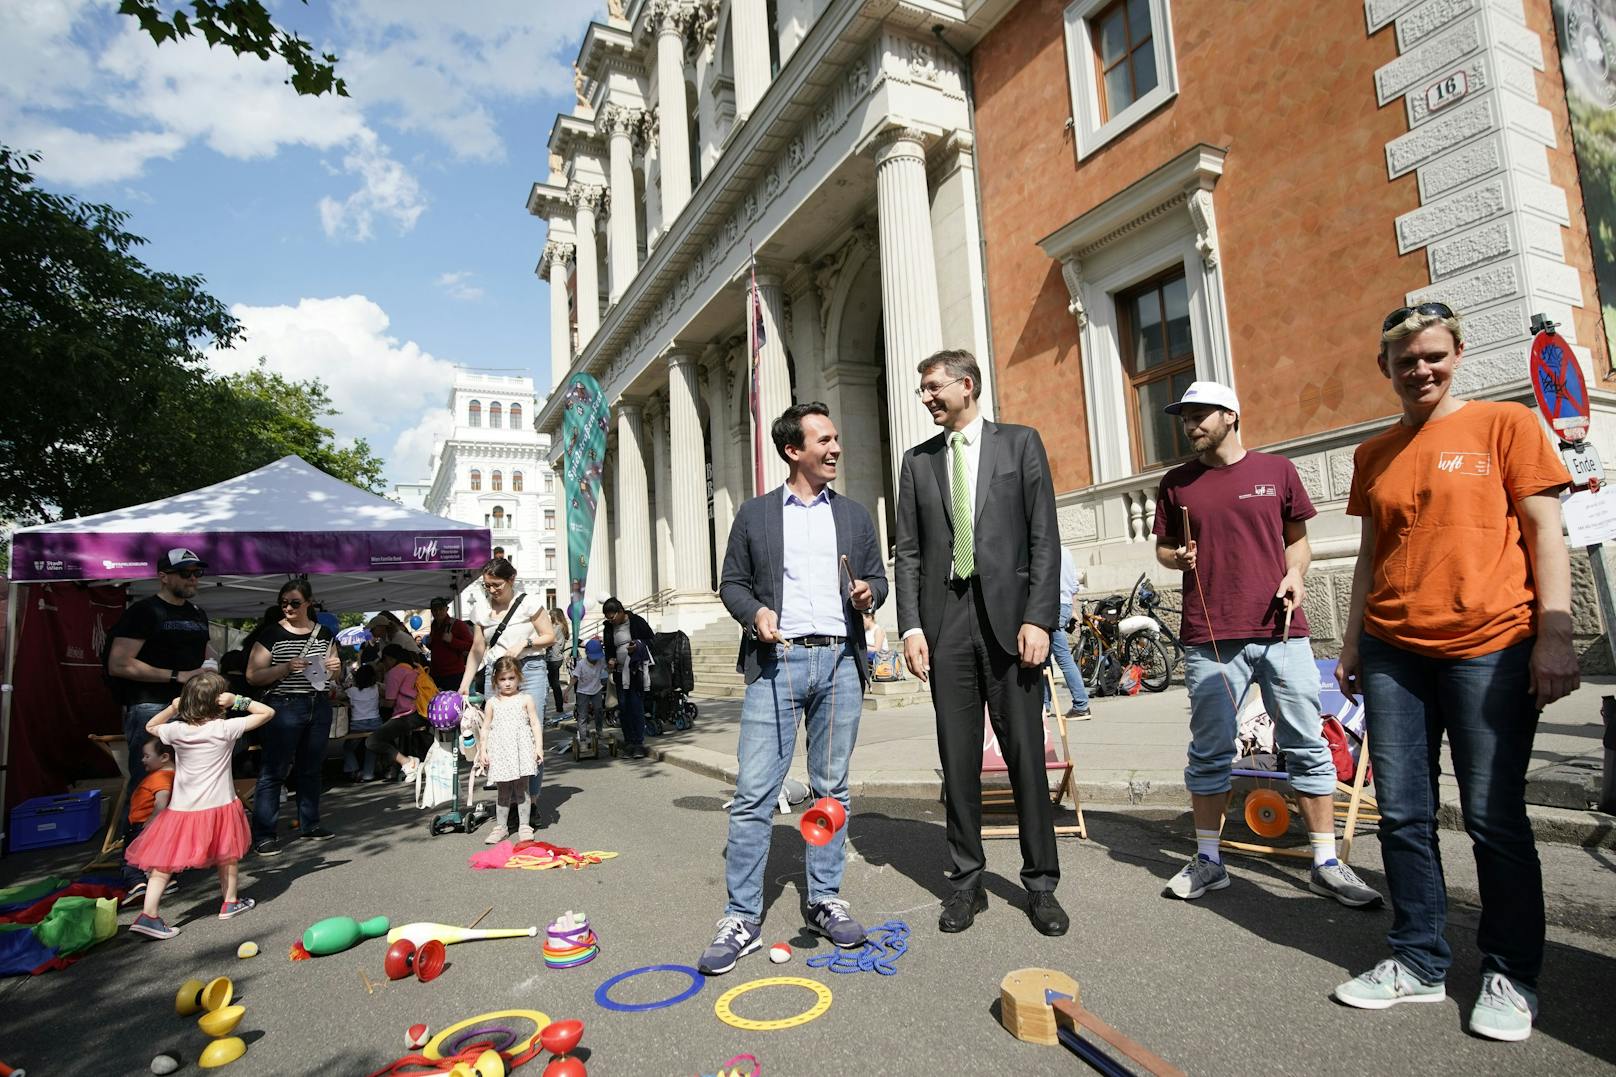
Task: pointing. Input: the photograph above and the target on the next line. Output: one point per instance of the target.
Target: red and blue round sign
(1557, 381)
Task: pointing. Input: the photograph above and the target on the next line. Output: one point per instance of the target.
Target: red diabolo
(400, 959)
(566, 1066)
(822, 820)
(430, 959)
(560, 1037)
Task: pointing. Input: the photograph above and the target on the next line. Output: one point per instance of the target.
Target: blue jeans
(1484, 705)
(631, 714)
(351, 750)
(135, 717)
(822, 685)
(1289, 682)
(294, 742)
(1060, 652)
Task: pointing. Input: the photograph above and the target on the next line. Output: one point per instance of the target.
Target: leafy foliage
(244, 27)
(1594, 128)
(112, 400)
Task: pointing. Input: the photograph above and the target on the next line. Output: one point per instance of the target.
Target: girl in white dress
(512, 746)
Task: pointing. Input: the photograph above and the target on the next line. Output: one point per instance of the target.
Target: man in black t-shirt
(157, 645)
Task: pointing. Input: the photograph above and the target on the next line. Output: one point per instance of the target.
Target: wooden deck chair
(1000, 800)
(112, 843)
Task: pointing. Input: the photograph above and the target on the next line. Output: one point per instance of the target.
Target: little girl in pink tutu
(204, 824)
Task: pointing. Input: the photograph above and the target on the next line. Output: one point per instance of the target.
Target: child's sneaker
(235, 908)
(135, 896)
(411, 765)
(153, 927)
(496, 835)
(524, 834)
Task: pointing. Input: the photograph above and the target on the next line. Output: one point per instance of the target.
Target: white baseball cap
(1210, 393)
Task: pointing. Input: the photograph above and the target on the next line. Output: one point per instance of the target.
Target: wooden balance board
(1029, 1011)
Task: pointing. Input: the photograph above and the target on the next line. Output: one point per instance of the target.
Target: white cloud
(378, 383)
(458, 286)
(415, 448)
(386, 189)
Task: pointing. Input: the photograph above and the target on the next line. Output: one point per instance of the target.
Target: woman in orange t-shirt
(1460, 624)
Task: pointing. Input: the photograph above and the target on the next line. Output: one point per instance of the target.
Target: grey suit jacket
(754, 569)
(1016, 536)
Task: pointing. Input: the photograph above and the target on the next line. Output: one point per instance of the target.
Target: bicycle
(1100, 635)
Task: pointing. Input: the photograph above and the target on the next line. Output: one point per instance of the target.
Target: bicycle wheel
(1087, 652)
(1146, 650)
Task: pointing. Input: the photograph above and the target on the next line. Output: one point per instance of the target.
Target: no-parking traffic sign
(1562, 394)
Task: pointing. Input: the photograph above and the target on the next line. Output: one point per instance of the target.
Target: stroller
(672, 679)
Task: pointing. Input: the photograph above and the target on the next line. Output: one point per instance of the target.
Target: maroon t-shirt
(1237, 519)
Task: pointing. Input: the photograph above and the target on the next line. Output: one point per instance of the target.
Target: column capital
(667, 17)
(587, 196)
(555, 253)
(619, 121)
(630, 408)
(769, 274)
(897, 139)
(680, 355)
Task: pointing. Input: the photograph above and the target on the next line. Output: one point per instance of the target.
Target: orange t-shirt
(1451, 575)
(144, 798)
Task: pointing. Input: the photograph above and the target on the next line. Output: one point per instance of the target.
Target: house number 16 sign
(1446, 91)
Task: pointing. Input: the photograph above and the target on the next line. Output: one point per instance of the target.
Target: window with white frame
(1158, 359)
(549, 519)
(1120, 66)
(549, 559)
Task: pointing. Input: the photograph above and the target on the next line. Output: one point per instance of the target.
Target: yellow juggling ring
(726, 1015)
(434, 1046)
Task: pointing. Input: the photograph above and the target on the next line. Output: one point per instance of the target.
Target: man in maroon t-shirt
(450, 642)
(1244, 558)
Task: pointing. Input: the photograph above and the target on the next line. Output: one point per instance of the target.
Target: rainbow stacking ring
(603, 992)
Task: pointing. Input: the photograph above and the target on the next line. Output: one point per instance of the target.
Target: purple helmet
(444, 710)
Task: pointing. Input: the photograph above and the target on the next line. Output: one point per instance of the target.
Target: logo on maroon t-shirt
(1465, 463)
(1262, 489)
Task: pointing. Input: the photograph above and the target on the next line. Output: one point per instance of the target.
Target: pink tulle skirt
(181, 840)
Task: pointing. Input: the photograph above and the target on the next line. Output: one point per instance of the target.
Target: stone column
(912, 320)
(719, 403)
(587, 199)
(774, 380)
(691, 553)
(633, 567)
(657, 419)
(673, 150)
(553, 267)
(622, 248)
(749, 41)
(739, 421)
(807, 336)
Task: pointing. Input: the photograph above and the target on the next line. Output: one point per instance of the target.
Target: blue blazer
(754, 569)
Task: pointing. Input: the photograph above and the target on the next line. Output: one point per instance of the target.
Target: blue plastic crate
(58, 820)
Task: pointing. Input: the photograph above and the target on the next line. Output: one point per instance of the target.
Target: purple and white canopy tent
(255, 531)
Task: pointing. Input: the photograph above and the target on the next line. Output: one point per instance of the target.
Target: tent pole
(13, 595)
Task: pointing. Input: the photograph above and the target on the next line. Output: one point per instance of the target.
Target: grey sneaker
(1199, 875)
(1502, 1012)
(1334, 879)
(153, 927)
(1078, 714)
(735, 939)
(830, 919)
(1387, 984)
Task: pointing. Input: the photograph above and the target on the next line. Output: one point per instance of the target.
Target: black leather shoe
(959, 911)
(1046, 913)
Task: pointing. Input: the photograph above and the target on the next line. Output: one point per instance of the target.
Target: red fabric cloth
(449, 659)
(36, 912)
(178, 840)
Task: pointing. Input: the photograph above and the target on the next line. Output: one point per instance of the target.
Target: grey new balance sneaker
(1502, 1012)
(1334, 879)
(830, 919)
(1199, 875)
(735, 939)
(1385, 985)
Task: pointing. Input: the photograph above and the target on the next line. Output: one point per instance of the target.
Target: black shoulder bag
(479, 683)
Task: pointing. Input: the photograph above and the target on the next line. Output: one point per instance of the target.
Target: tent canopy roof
(255, 531)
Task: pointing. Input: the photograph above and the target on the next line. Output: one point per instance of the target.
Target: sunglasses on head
(187, 573)
(291, 603)
(1436, 310)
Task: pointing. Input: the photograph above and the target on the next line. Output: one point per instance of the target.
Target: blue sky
(373, 241)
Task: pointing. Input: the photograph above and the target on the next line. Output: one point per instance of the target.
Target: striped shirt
(284, 645)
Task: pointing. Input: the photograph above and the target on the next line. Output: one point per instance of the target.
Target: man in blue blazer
(802, 567)
(977, 561)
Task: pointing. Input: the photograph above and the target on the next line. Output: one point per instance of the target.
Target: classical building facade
(833, 139)
(1168, 196)
(495, 470)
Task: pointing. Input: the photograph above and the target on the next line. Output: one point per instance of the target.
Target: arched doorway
(855, 378)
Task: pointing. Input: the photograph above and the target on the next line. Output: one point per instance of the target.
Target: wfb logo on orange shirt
(1465, 463)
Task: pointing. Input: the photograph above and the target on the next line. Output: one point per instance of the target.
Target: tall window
(549, 482)
(499, 516)
(496, 481)
(1124, 57)
(515, 414)
(549, 519)
(1158, 357)
(476, 479)
(549, 559)
(494, 416)
(474, 414)
(516, 482)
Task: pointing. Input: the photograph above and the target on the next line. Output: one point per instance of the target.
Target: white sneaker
(524, 834)
(496, 835)
(411, 765)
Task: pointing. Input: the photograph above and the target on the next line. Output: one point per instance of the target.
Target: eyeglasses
(932, 390)
(291, 603)
(186, 573)
(1436, 310)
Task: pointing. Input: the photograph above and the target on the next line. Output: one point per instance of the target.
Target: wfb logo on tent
(433, 549)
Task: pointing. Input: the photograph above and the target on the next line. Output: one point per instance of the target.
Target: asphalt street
(1236, 983)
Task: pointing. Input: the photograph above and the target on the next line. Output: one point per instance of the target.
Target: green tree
(244, 27)
(112, 401)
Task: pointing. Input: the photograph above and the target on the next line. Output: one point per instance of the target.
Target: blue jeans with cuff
(821, 686)
(1485, 706)
(1289, 682)
(1060, 652)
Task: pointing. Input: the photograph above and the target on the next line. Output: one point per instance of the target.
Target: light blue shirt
(811, 597)
(1068, 583)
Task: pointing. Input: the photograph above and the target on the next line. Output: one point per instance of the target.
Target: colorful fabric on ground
(38, 910)
(25, 894)
(536, 856)
(59, 924)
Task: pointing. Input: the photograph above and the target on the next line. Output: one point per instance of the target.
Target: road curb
(1561, 826)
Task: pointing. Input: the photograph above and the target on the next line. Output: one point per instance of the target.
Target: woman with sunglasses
(1460, 624)
(297, 660)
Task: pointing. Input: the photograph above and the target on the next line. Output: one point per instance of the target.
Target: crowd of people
(1460, 626)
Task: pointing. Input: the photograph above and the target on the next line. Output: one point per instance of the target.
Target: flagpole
(755, 335)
